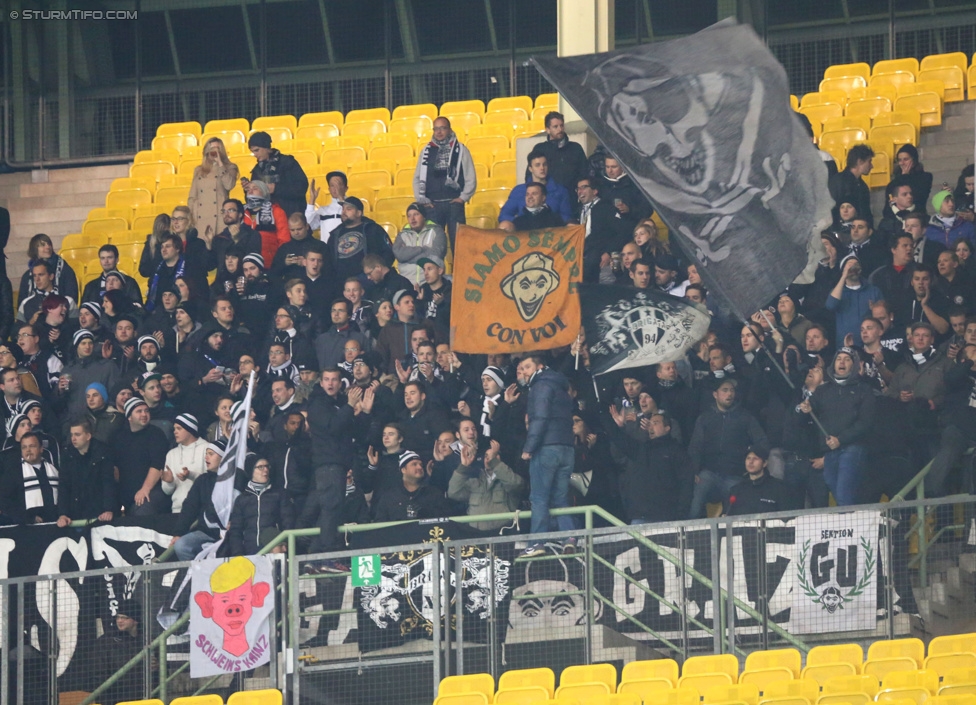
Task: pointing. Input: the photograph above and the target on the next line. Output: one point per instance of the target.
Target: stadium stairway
(56, 206)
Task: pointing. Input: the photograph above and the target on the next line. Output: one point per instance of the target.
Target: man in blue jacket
(548, 448)
(557, 197)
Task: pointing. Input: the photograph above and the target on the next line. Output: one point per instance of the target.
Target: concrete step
(960, 137)
(59, 188)
(109, 171)
(50, 214)
(961, 151)
(89, 199)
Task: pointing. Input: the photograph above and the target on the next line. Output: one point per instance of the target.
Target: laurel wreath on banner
(858, 589)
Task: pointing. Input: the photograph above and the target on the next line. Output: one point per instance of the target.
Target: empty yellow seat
(343, 157)
(910, 648)
(907, 65)
(896, 79)
(519, 102)
(952, 644)
(864, 683)
(514, 117)
(454, 107)
(931, 86)
(398, 204)
(928, 105)
(916, 695)
(825, 671)
(959, 689)
(419, 126)
(211, 699)
(653, 668)
(317, 132)
(848, 122)
(703, 681)
(129, 198)
(178, 142)
(953, 80)
(942, 663)
(462, 699)
(936, 61)
(623, 699)
(230, 125)
(255, 697)
(364, 127)
(763, 677)
(463, 122)
(473, 683)
(839, 698)
(844, 139)
(177, 128)
(547, 100)
(912, 679)
(843, 83)
(806, 689)
(421, 109)
(277, 121)
(869, 107)
(679, 696)
(230, 138)
(491, 129)
(893, 135)
(594, 673)
(172, 193)
(381, 114)
(745, 693)
(823, 97)
(583, 692)
(881, 667)
(955, 699)
(795, 700)
(859, 69)
(520, 696)
(152, 170)
(130, 182)
(152, 701)
(395, 152)
(647, 689)
(958, 676)
(331, 117)
(818, 113)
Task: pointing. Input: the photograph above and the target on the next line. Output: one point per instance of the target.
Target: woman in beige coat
(212, 183)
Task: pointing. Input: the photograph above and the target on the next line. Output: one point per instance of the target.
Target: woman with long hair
(212, 183)
(40, 248)
(195, 254)
(909, 170)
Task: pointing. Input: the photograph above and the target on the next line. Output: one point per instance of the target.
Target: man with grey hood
(845, 408)
(421, 238)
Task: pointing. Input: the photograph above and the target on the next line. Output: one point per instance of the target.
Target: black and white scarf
(261, 212)
(486, 414)
(444, 155)
(154, 284)
(39, 492)
(56, 262)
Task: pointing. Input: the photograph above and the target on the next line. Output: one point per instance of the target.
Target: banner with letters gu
(516, 292)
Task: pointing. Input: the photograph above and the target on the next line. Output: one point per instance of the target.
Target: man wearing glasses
(445, 179)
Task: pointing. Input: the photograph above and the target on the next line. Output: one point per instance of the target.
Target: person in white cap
(186, 462)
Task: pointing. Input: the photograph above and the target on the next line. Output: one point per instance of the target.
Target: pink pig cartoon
(231, 602)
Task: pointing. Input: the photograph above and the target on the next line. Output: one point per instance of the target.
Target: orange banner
(516, 292)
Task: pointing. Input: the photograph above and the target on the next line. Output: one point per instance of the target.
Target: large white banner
(230, 615)
(836, 573)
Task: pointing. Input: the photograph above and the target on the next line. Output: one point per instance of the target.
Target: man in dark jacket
(548, 448)
(623, 193)
(845, 407)
(657, 476)
(235, 233)
(332, 417)
(848, 186)
(421, 423)
(260, 513)
(413, 498)
(330, 344)
(108, 258)
(760, 492)
(536, 215)
(290, 454)
(354, 239)
(605, 232)
(567, 160)
(86, 478)
(722, 433)
(281, 172)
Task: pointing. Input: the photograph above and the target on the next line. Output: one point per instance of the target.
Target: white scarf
(33, 496)
(486, 414)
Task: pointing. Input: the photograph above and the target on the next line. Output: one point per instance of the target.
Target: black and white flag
(628, 327)
(704, 127)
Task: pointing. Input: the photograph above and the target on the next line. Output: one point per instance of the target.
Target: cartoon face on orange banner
(519, 290)
(232, 600)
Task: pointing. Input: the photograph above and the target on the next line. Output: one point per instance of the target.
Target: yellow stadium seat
(395, 191)
(843, 83)
(489, 145)
(881, 667)
(187, 166)
(127, 237)
(174, 193)
(895, 78)
(485, 222)
(864, 683)
(513, 117)
(958, 690)
(171, 180)
(794, 103)
(859, 69)
(908, 116)
(583, 692)
(907, 65)
(927, 104)
(547, 100)
(653, 668)
(505, 169)
(856, 122)
(277, 134)
(787, 701)
(462, 699)
(482, 683)
(845, 139)
(491, 129)
(152, 170)
(679, 696)
(824, 671)
(594, 673)
(623, 699)
(163, 154)
(273, 121)
(913, 695)
(841, 698)
(953, 643)
(937, 61)
(211, 699)
(806, 689)
(168, 205)
(178, 142)
(818, 113)
(237, 149)
(490, 184)
(404, 176)
(381, 114)
(306, 144)
(531, 128)
(153, 701)
(129, 198)
(343, 157)
(192, 153)
(646, 688)
(418, 110)
(720, 663)
(364, 127)
(74, 241)
(519, 102)
(927, 679)
(930, 86)
(228, 125)
(317, 132)
(177, 128)
(952, 78)
(394, 139)
(893, 648)
(129, 182)
(464, 121)
(703, 681)
(270, 696)
(745, 693)
(953, 699)
(398, 203)
(868, 107)
(419, 126)
(391, 229)
(245, 164)
(332, 117)
(783, 658)
(763, 677)
(893, 135)
(823, 98)
(306, 157)
(540, 113)
(229, 138)
(368, 180)
(395, 152)
(463, 106)
(495, 197)
(876, 91)
(942, 663)
(521, 696)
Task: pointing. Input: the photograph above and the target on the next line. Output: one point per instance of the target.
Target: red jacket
(271, 240)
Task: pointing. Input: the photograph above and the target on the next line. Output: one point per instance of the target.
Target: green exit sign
(366, 570)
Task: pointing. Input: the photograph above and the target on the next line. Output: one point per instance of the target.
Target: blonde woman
(192, 263)
(212, 182)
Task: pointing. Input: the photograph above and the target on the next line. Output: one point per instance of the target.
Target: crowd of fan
(118, 401)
